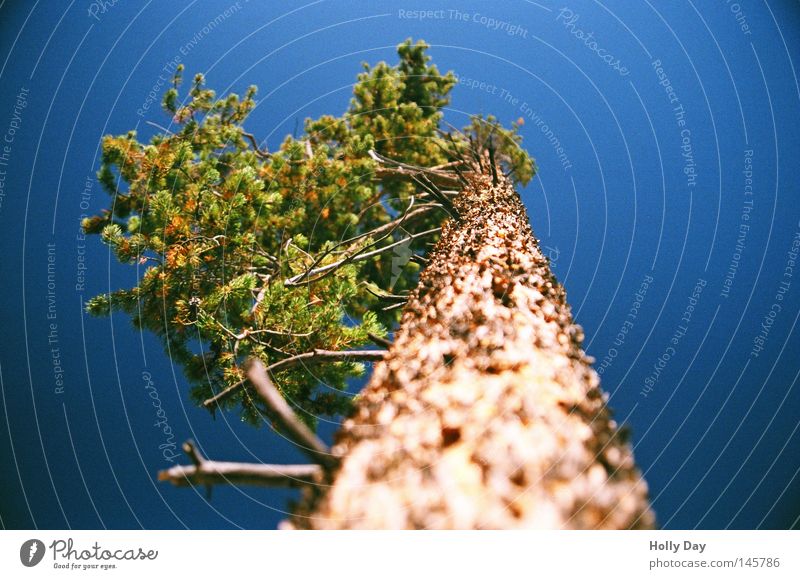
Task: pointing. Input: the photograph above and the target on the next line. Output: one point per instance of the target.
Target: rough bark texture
(485, 412)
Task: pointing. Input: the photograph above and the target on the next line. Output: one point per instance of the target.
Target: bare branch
(447, 165)
(351, 257)
(287, 420)
(388, 296)
(250, 137)
(380, 341)
(194, 454)
(403, 170)
(285, 333)
(434, 191)
(260, 296)
(302, 278)
(391, 225)
(328, 355)
(256, 249)
(449, 136)
(213, 472)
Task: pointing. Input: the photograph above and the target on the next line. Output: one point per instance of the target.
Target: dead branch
(286, 419)
(354, 255)
(433, 190)
(380, 341)
(326, 269)
(264, 154)
(390, 168)
(391, 225)
(388, 296)
(211, 472)
(194, 454)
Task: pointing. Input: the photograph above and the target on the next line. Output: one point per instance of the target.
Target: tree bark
(485, 413)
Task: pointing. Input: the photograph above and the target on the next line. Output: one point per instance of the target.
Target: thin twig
(352, 257)
(391, 224)
(156, 125)
(301, 278)
(436, 193)
(314, 356)
(389, 297)
(250, 137)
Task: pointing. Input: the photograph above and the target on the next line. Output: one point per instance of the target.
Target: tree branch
(352, 256)
(380, 341)
(213, 472)
(250, 137)
(156, 125)
(209, 472)
(314, 356)
(391, 225)
(286, 419)
(388, 296)
(403, 170)
(436, 193)
(194, 454)
(325, 269)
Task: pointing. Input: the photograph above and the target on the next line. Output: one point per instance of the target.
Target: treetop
(301, 256)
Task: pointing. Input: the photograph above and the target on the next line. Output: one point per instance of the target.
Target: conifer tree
(272, 276)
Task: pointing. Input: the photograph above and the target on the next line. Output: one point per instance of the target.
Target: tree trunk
(485, 412)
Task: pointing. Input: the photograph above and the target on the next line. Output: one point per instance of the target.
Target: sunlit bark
(485, 413)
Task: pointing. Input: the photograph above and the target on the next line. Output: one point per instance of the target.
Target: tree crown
(289, 254)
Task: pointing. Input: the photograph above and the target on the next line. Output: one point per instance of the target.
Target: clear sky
(667, 141)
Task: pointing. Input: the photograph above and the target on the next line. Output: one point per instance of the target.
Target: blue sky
(667, 197)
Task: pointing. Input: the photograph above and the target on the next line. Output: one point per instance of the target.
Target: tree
(272, 277)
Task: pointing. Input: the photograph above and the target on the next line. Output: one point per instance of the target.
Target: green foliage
(227, 231)
(506, 144)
